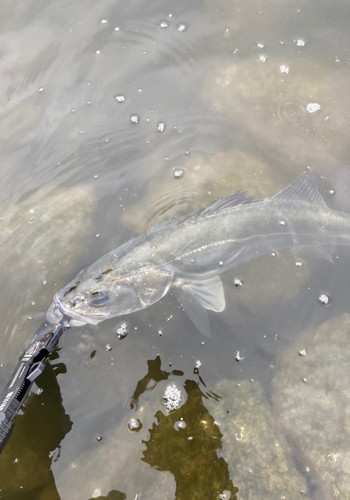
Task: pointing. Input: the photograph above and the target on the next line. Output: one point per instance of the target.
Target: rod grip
(6, 428)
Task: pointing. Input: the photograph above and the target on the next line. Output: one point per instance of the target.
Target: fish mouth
(54, 314)
(57, 310)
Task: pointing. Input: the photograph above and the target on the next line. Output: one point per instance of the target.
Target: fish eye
(99, 298)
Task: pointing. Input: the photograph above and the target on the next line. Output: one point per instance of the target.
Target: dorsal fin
(237, 198)
(303, 189)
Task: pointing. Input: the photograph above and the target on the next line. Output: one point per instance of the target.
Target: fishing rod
(30, 365)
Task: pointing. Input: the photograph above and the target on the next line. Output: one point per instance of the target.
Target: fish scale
(188, 254)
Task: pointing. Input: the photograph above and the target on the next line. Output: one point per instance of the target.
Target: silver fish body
(188, 254)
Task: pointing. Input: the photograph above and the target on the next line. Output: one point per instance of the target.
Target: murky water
(115, 116)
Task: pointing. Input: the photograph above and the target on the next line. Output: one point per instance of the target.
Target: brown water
(115, 116)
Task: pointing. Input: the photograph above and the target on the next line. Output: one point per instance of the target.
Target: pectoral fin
(197, 296)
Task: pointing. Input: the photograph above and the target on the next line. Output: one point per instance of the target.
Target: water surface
(116, 116)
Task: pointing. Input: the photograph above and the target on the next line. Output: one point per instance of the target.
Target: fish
(187, 255)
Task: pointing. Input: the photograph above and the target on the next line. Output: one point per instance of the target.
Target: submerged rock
(260, 462)
(293, 106)
(42, 239)
(312, 404)
(49, 219)
(204, 178)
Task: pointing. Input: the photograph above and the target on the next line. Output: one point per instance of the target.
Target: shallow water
(114, 117)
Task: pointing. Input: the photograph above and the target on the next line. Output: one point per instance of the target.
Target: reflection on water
(154, 375)
(189, 451)
(118, 116)
(112, 495)
(25, 463)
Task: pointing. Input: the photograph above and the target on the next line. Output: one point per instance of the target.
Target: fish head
(92, 299)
